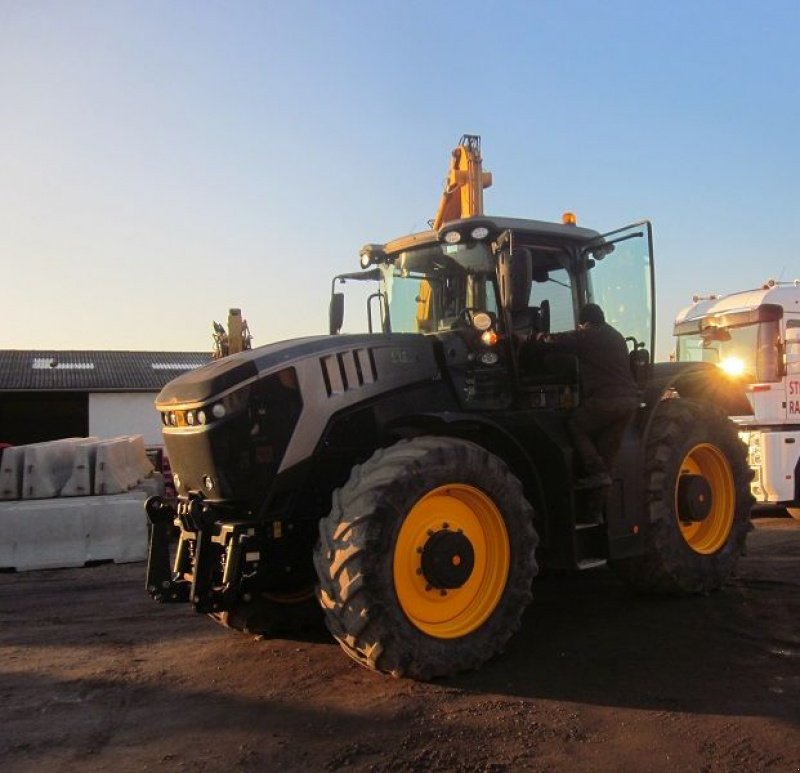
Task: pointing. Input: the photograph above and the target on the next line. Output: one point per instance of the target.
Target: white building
(45, 395)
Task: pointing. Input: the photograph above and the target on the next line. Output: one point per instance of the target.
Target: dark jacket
(603, 356)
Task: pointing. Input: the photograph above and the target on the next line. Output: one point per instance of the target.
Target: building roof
(93, 371)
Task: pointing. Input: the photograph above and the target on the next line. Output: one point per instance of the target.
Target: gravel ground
(95, 676)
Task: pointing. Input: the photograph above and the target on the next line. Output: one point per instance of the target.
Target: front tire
(697, 492)
(426, 560)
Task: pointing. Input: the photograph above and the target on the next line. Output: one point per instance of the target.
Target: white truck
(754, 336)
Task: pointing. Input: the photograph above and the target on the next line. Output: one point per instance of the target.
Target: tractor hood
(341, 362)
(231, 426)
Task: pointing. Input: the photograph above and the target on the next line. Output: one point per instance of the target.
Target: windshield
(748, 351)
(428, 289)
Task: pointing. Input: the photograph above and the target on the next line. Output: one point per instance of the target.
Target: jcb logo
(401, 356)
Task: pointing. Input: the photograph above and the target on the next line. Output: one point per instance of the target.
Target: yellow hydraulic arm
(462, 197)
(235, 339)
(463, 189)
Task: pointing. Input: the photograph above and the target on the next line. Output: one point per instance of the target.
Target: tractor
(411, 480)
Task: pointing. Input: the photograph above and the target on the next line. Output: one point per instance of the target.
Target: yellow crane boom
(235, 339)
(463, 189)
(462, 197)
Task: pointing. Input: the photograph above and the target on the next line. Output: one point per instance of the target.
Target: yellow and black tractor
(409, 481)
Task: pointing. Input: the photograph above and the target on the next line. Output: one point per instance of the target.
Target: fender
(695, 380)
(495, 438)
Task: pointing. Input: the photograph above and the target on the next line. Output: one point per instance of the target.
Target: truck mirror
(336, 313)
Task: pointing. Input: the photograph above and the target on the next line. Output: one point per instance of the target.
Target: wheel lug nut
(443, 592)
(427, 587)
(419, 571)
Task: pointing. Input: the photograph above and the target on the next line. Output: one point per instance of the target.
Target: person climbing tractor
(609, 392)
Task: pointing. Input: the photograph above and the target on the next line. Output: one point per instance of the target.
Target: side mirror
(336, 313)
(514, 278)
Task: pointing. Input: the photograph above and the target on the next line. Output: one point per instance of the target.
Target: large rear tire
(698, 501)
(426, 560)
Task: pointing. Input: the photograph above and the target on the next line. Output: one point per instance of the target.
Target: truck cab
(754, 337)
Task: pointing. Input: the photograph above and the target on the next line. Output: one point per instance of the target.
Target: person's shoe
(598, 480)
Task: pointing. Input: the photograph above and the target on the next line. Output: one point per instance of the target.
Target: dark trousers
(596, 427)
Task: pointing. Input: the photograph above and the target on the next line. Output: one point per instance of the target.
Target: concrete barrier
(11, 472)
(141, 466)
(73, 467)
(112, 472)
(47, 467)
(60, 533)
(81, 481)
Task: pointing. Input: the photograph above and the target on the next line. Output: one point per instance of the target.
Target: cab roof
(528, 232)
(786, 296)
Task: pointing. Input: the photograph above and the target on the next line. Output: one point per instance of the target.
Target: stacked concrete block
(81, 482)
(141, 466)
(114, 472)
(11, 472)
(62, 515)
(73, 467)
(47, 467)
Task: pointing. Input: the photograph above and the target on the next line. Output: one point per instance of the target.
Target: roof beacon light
(568, 218)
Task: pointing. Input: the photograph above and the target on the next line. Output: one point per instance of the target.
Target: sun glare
(733, 366)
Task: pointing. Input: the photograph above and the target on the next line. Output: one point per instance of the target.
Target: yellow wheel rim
(710, 534)
(467, 518)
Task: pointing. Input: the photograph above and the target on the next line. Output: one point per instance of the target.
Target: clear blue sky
(163, 161)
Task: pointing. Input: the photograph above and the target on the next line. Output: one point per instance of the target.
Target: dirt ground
(95, 676)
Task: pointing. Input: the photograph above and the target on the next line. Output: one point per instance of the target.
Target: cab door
(620, 279)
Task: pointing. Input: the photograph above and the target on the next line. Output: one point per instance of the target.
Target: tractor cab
(495, 282)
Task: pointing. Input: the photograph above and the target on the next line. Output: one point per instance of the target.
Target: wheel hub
(447, 560)
(694, 498)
